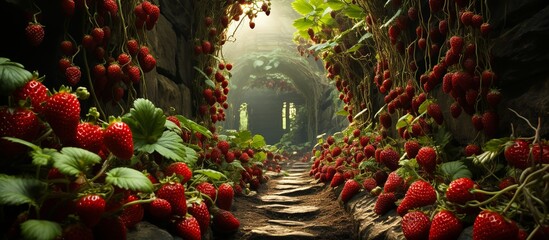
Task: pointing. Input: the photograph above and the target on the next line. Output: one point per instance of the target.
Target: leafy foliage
(17, 191)
(455, 170)
(130, 179)
(40, 229)
(12, 76)
(72, 161)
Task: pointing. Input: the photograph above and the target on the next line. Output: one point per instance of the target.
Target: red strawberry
(415, 225)
(36, 92)
(493, 98)
(472, 149)
(459, 191)
(516, 153)
(419, 194)
(223, 146)
(491, 225)
(385, 120)
(540, 152)
(445, 225)
(225, 195)
(369, 184)
(110, 6)
(477, 121)
(411, 147)
(134, 73)
(336, 151)
(132, 214)
(337, 180)
(394, 183)
(73, 75)
(427, 159)
(180, 169)
(110, 228)
(389, 157)
(160, 209)
(133, 47)
(351, 188)
(188, 228)
(62, 112)
(89, 136)
(114, 72)
(506, 182)
(202, 214)
(174, 193)
(330, 140)
(118, 139)
(90, 208)
(19, 123)
(224, 221)
(466, 17)
(123, 59)
(490, 122)
(77, 232)
(207, 189)
(34, 33)
(369, 151)
(456, 43)
(455, 110)
(68, 8)
(447, 82)
(434, 111)
(485, 29)
(174, 119)
(148, 63)
(384, 203)
(98, 35)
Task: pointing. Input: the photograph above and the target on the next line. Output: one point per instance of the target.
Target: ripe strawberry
(133, 47)
(459, 191)
(36, 92)
(89, 136)
(34, 33)
(476, 119)
(188, 228)
(485, 29)
(160, 209)
(336, 151)
(476, 20)
(114, 71)
(385, 120)
(351, 188)
(207, 47)
(516, 153)
(67, 47)
(110, 228)
(118, 139)
(394, 183)
(411, 147)
(490, 122)
(455, 110)
(466, 18)
(337, 180)
(77, 232)
(540, 152)
(224, 221)
(491, 225)
(434, 111)
(223, 146)
(174, 193)
(493, 98)
(90, 208)
(456, 43)
(67, 6)
(506, 182)
(123, 59)
(225, 195)
(98, 35)
(427, 159)
(73, 75)
(419, 194)
(415, 225)
(180, 169)
(384, 203)
(369, 184)
(111, 6)
(202, 214)
(134, 73)
(62, 112)
(445, 225)
(207, 189)
(472, 149)
(132, 214)
(148, 63)
(389, 157)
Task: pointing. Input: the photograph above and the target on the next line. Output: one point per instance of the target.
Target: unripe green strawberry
(188, 228)
(62, 112)
(36, 92)
(90, 208)
(225, 195)
(118, 139)
(174, 193)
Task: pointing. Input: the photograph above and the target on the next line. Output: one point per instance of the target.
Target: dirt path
(292, 207)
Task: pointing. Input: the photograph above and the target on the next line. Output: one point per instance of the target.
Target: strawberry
(62, 112)
(445, 225)
(174, 193)
(98, 35)
(34, 33)
(111, 7)
(472, 149)
(175, 120)
(540, 152)
(394, 183)
(19, 123)
(506, 182)
(114, 71)
(490, 122)
(459, 191)
(73, 75)
(369, 184)
(123, 58)
(224, 221)
(207, 189)
(110, 228)
(493, 98)
(133, 47)
(427, 159)
(455, 110)
(36, 92)
(148, 63)
(434, 111)
(118, 139)
(202, 214)
(384, 203)
(485, 29)
(188, 228)
(415, 225)
(517, 154)
(447, 82)
(160, 209)
(456, 43)
(68, 8)
(90, 208)
(385, 120)
(389, 157)
(223, 146)
(89, 136)
(351, 188)
(134, 73)
(336, 151)
(491, 225)
(77, 232)
(419, 194)
(225, 195)
(476, 119)
(411, 147)
(337, 180)
(132, 214)
(180, 169)
(466, 18)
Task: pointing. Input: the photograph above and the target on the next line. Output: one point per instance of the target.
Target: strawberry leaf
(495, 145)
(260, 156)
(17, 191)
(170, 145)
(130, 179)
(73, 161)
(146, 122)
(354, 11)
(193, 126)
(335, 4)
(237, 165)
(455, 170)
(391, 19)
(303, 7)
(258, 141)
(40, 229)
(423, 107)
(12, 76)
(212, 174)
(404, 121)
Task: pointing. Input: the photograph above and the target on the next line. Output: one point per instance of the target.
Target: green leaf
(302, 7)
(146, 122)
(258, 141)
(342, 113)
(191, 156)
(212, 174)
(210, 83)
(335, 4)
(496, 144)
(303, 24)
(170, 145)
(354, 11)
(404, 121)
(12, 76)
(193, 126)
(365, 36)
(237, 164)
(260, 156)
(391, 19)
(17, 191)
(40, 229)
(42, 157)
(130, 179)
(455, 170)
(423, 107)
(23, 142)
(73, 161)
